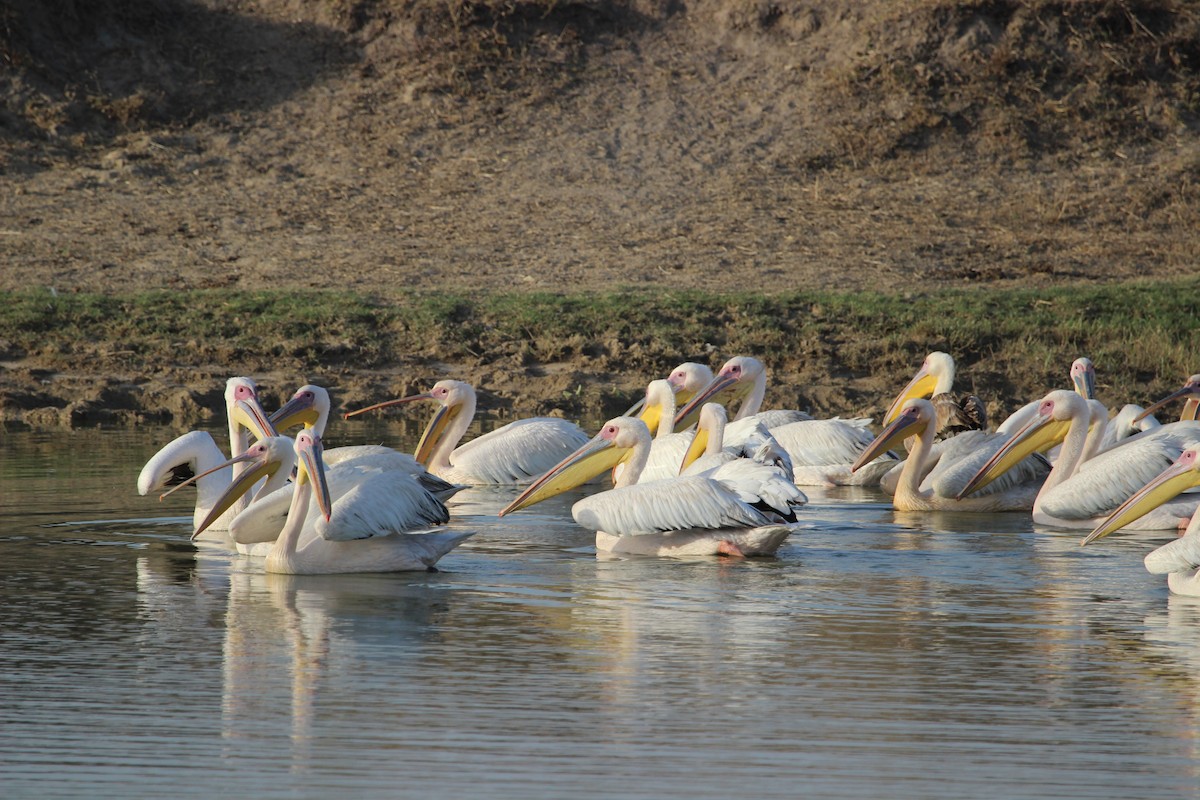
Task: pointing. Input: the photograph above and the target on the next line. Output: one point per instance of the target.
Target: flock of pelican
(697, 467)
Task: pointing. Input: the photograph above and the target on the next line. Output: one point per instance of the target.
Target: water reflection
(880, 654)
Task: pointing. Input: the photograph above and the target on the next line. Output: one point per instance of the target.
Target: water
(880, 654)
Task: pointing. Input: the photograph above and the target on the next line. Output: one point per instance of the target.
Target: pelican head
(1183, 474)
(265, 458)
(733, 382)
(613, 445)
(1083, 377)
(1047, 428)
(309, 407)
(456, 399)
(710, 429)
(1190, 390)
(936, 376)
(686, 379)
(689, 378)
(913, 417)
(244, 409)
(658, 405)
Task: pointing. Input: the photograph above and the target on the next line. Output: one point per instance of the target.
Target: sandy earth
(396, 146)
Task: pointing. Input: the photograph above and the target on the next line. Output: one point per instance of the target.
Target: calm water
(879, 655)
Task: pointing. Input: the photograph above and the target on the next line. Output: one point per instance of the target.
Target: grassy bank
(835, 353)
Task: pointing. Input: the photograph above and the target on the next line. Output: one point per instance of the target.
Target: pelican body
(1080, 491)
(690, 515)
(918, 418)
(514, 454)
(341, 537)
(197, 453)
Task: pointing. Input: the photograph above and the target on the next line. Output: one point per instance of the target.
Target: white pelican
(685, 516)
(1081, 491)
(744, 379)
(310, 406)
(934, 380)
(1191, 407)
(707, 449)
(918, 418)
(367, 528)
(821, 450)
(668, 447)
(1083, 382)
(1131, 420)
(197, 452)
(686, 379)
(1178, 559)
(513, 454)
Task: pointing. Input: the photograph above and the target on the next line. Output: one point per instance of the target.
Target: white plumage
(918, 418)
(723, 514)
(513, 454)
(1081, 493)
(380, 521)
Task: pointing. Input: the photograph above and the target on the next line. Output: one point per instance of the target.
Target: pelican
(668, 447)
(1083, 382)
(310, 406)
(685, 516)
(934, 380)
(686, 379)
(1081, 491)
(513, 454)
(1191, 407)
(707, 450)
(197, 452)
(1131, 420)
(1178, 559)
(918, 417)
(367, 528)
(821, 450)
(744, 379)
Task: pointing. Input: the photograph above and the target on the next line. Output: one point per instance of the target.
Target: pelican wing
(1178, 555)
(370, 502)
(263, 519)
(965, 454)
(777, 417)
(757, 482)
(824, 442)
(668, 505)
(1104, 482)
(520, 451)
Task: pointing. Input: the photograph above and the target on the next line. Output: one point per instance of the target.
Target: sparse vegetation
(1011, 344)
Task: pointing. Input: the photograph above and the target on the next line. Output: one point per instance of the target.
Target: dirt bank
(390, 146)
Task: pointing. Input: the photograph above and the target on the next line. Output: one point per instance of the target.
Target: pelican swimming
(366, 528)
(686, 379)
(708, 451)
(934, 380)
(1178, 559)
(310, 406)
(918, 418)
(197, 452)
(668, 447)
(742, 380)
(1191, 406)
(821, 450)
(684, 516)
(513, 454)
(1081, 491)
